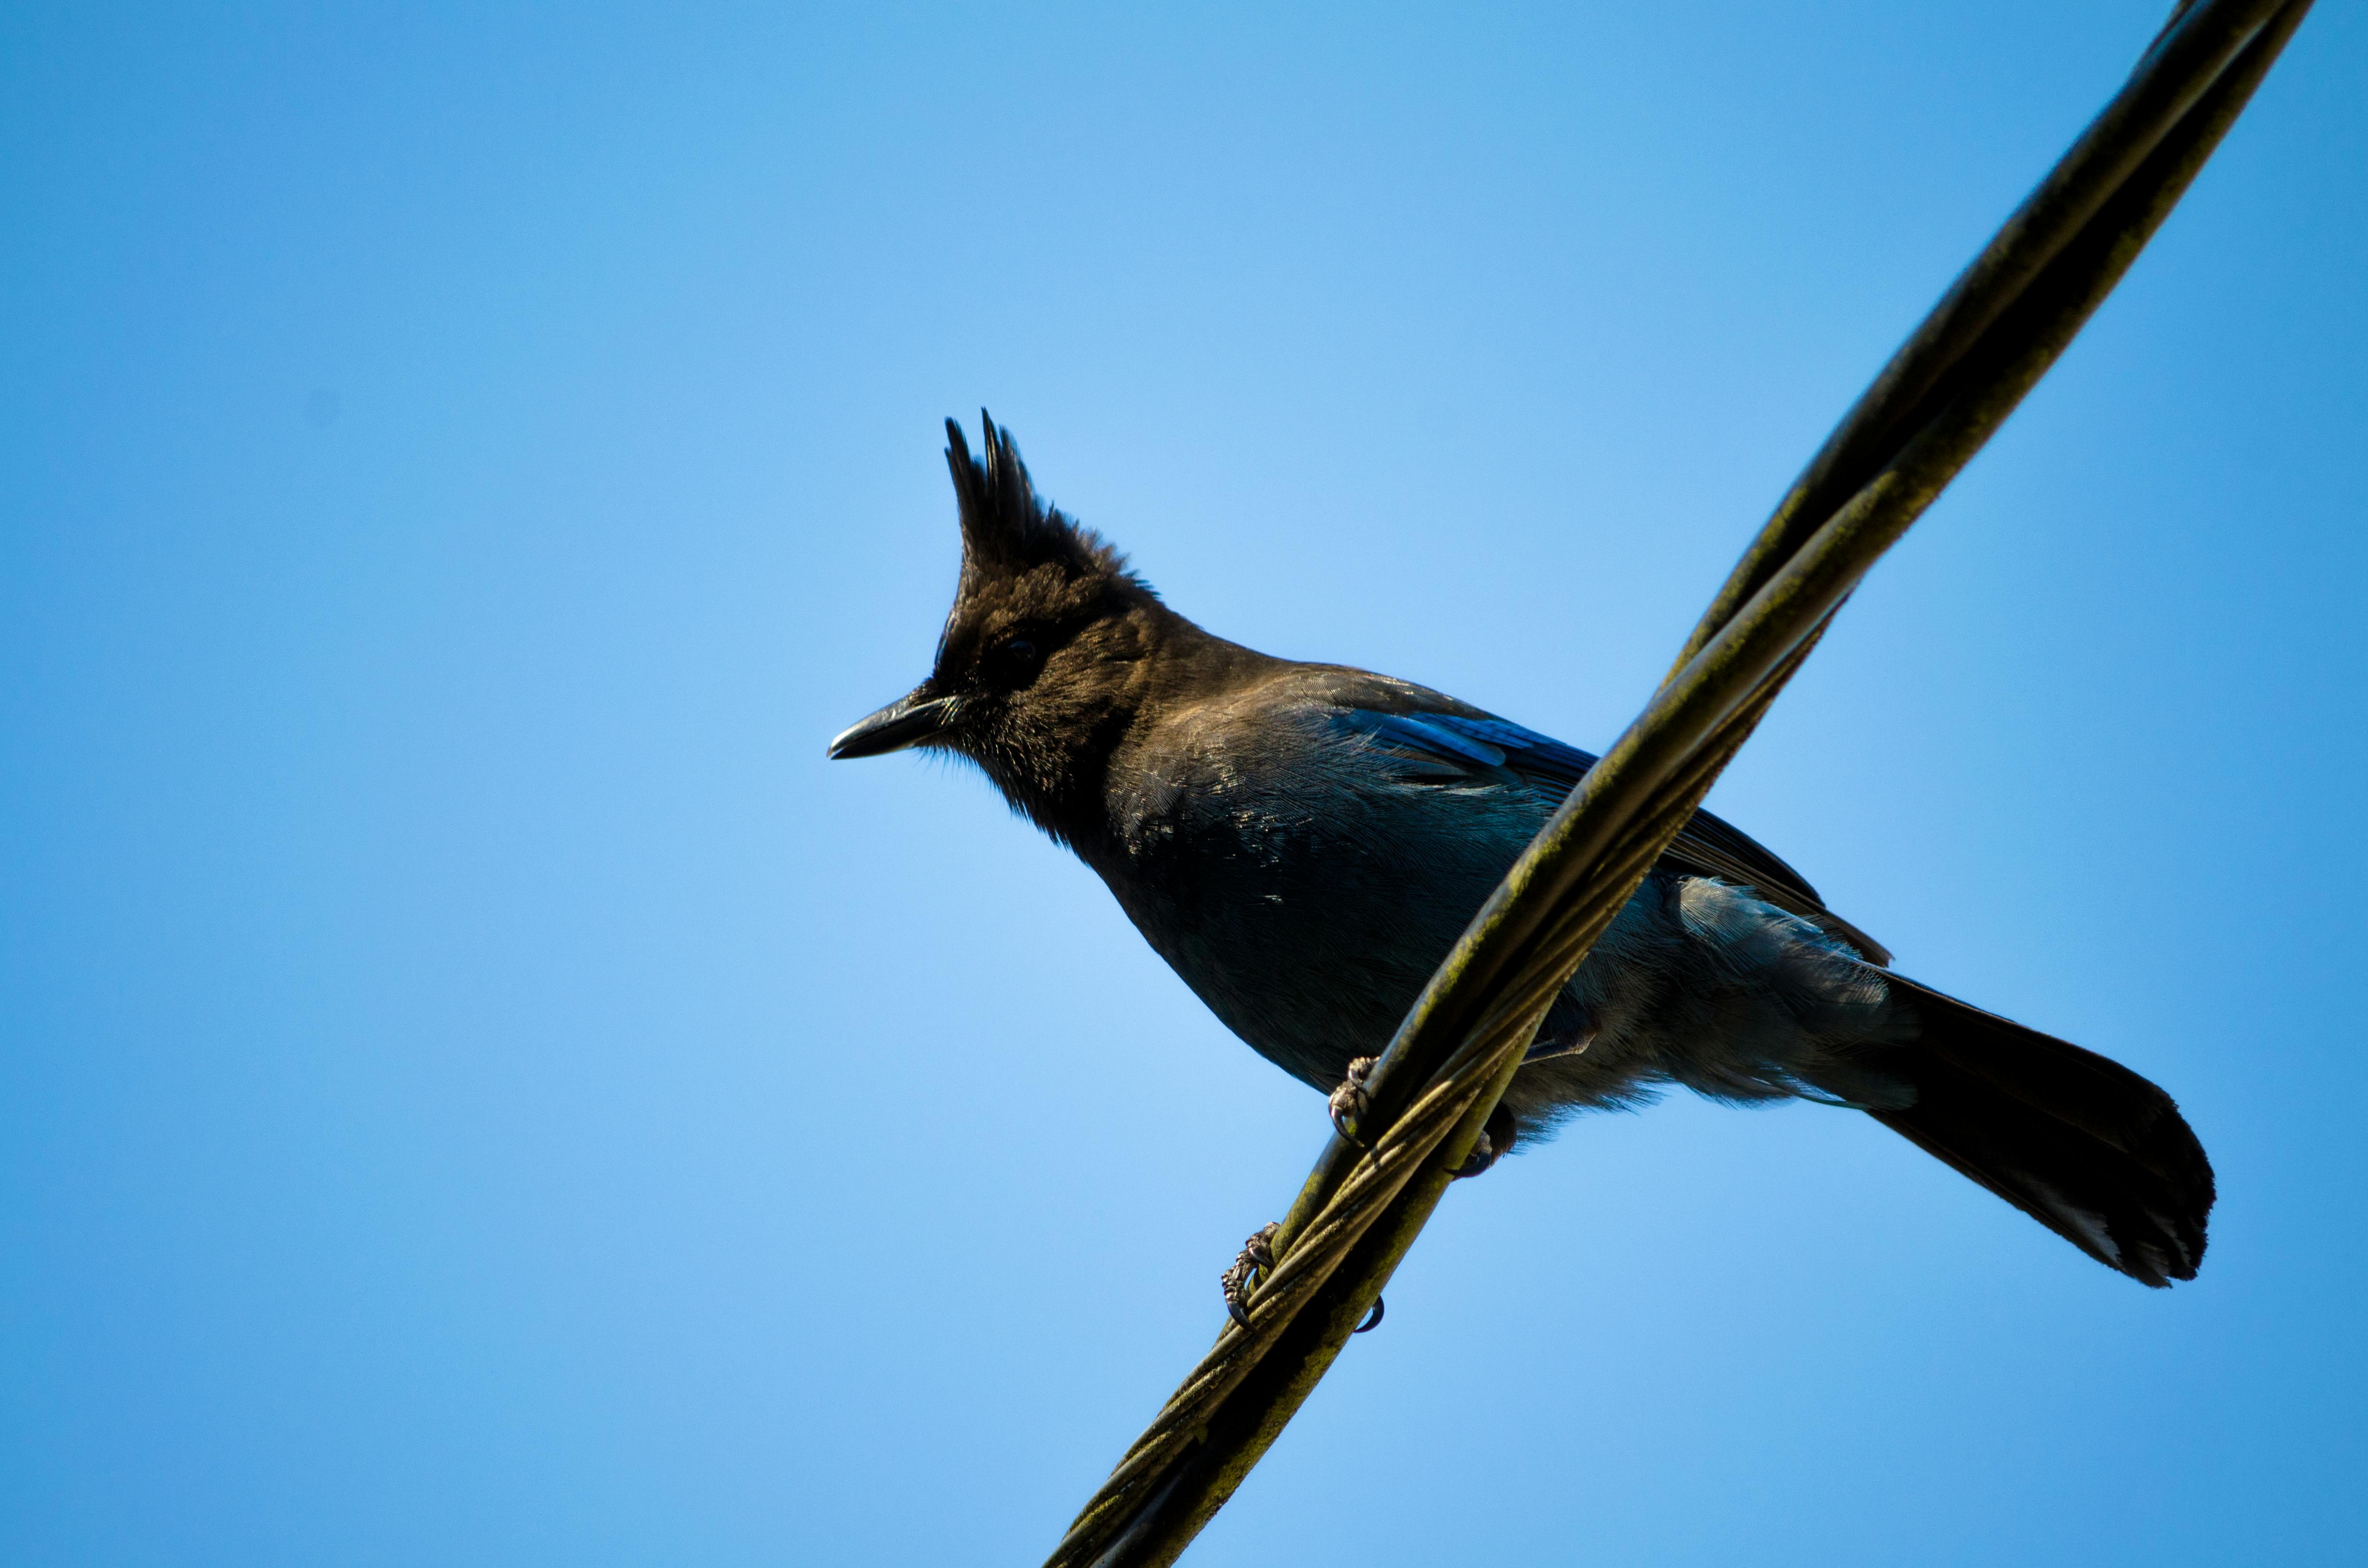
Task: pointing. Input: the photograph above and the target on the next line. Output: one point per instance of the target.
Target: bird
(1303, 843)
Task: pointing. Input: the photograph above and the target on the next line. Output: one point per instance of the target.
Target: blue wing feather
(1443, 746)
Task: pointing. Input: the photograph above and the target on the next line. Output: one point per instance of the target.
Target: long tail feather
(2077, 1142)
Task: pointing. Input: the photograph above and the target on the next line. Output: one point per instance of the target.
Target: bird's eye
(1016, 658)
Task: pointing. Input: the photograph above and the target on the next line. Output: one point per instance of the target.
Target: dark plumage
(1304, 843)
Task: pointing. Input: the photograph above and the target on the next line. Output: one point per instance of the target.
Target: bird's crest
(1006, 530)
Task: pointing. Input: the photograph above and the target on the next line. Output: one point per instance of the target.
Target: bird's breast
(1305, 905)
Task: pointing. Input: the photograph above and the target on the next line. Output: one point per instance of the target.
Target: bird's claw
(1257, 1252)
(1373, 1319)
(1347, 1103)
(1483, 1155)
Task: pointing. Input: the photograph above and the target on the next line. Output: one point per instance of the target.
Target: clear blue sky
(477, 1086)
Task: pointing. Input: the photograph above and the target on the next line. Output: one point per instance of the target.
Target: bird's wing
(1450, 742)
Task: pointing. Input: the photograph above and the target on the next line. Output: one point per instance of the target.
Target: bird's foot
(1347, 1103)
(1497, 1135)
(1373, 1319)
(1483, 1155)
(1258, 1254)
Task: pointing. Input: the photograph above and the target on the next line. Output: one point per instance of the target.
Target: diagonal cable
(1993, 334)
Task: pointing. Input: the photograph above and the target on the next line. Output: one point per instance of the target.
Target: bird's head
(1039, 664)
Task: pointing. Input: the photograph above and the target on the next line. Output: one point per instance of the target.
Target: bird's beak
(906, 722)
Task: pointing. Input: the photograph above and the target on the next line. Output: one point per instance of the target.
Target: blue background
(480, 1088)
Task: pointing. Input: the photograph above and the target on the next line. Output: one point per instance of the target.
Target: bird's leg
(1257, 1252)
(1497, 1135)
(1347, 1103)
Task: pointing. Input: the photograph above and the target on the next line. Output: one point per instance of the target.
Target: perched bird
(1304, 843)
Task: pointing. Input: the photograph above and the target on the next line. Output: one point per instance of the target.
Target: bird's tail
(2080, 1143)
